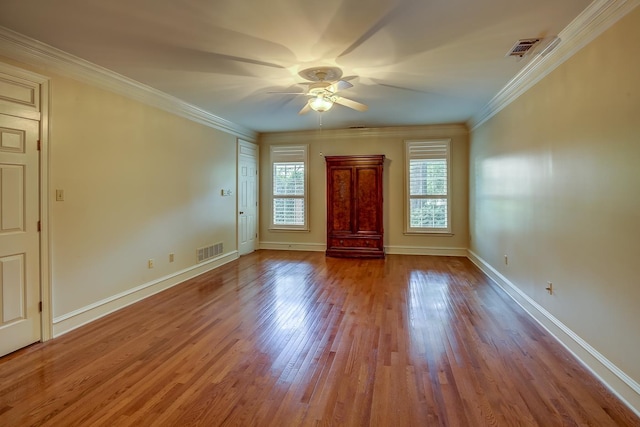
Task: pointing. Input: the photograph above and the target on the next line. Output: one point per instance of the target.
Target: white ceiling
(413, 62)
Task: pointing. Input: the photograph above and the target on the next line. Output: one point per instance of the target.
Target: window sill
(288, 229)
(429, 233)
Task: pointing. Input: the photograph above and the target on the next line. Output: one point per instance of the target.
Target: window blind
(428, 186)
(289, 186)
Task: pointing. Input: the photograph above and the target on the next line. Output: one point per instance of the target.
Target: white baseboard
(392, 250)
(292, 246)
(620, 384)
(70, 321)
(423, 250)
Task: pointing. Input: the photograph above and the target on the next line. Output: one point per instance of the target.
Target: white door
(20, 323)
(247, 197)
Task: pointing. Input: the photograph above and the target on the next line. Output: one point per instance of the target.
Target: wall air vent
(209, 252)
(522, 47)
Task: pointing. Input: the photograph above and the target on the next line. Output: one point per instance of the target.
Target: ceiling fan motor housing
(321, 74)
(320, 88)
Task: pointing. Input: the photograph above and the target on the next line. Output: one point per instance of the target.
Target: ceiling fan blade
(339, 85)
(400, 87)
(305, 109)
(291, 93)
(245, 60)
(377, 26)
(350, 103)
(408, 89)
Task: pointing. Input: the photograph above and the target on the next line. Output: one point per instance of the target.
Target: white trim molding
(425, 250)
(84, 315)
(593, 21)
(30, 51)
(46, 290)
(390, 250)
(620, 384)
(293, 246)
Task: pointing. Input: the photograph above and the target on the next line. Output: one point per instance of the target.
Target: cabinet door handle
(241, 213)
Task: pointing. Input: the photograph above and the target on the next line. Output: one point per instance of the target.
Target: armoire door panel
(341, 200)
(366, 201)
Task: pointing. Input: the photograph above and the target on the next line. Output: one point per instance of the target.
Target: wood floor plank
(295, 338)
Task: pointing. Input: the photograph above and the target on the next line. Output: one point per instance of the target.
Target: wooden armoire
(354, 206)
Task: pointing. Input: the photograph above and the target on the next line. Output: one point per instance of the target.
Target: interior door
(247, 197)
(20, 323)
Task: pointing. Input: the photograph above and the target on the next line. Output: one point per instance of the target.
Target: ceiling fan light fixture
(320, 104)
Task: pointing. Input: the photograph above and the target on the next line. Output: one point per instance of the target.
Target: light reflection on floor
(429, 312)
(291, 304)
(287, 335)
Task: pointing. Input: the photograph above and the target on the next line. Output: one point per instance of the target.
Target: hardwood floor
(294, 338)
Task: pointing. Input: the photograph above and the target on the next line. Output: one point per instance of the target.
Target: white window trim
(422, 231)
(291, 153)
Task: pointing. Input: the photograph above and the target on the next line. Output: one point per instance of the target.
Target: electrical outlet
(170, 257)
(150, 263)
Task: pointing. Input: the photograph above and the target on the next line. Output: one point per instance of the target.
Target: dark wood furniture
(354, 206)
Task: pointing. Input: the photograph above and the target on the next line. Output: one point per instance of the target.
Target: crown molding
(593, 21)
(402, 132)
(32, 52)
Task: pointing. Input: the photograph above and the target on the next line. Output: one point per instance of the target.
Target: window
(289, 187)
(428, 187)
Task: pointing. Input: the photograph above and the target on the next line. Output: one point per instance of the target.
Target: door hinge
(38, 225)
(38, 145)
(256, 235)
(40, 306)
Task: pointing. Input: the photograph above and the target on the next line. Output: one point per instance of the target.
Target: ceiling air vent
(522, 47)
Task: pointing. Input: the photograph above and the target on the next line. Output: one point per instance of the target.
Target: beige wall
(139, 183)
(387, 141)
(555, 185)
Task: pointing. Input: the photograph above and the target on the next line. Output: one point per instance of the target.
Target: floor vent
(522, 47)
(209, 252)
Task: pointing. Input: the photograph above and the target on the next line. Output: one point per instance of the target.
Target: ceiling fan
(323, 90)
